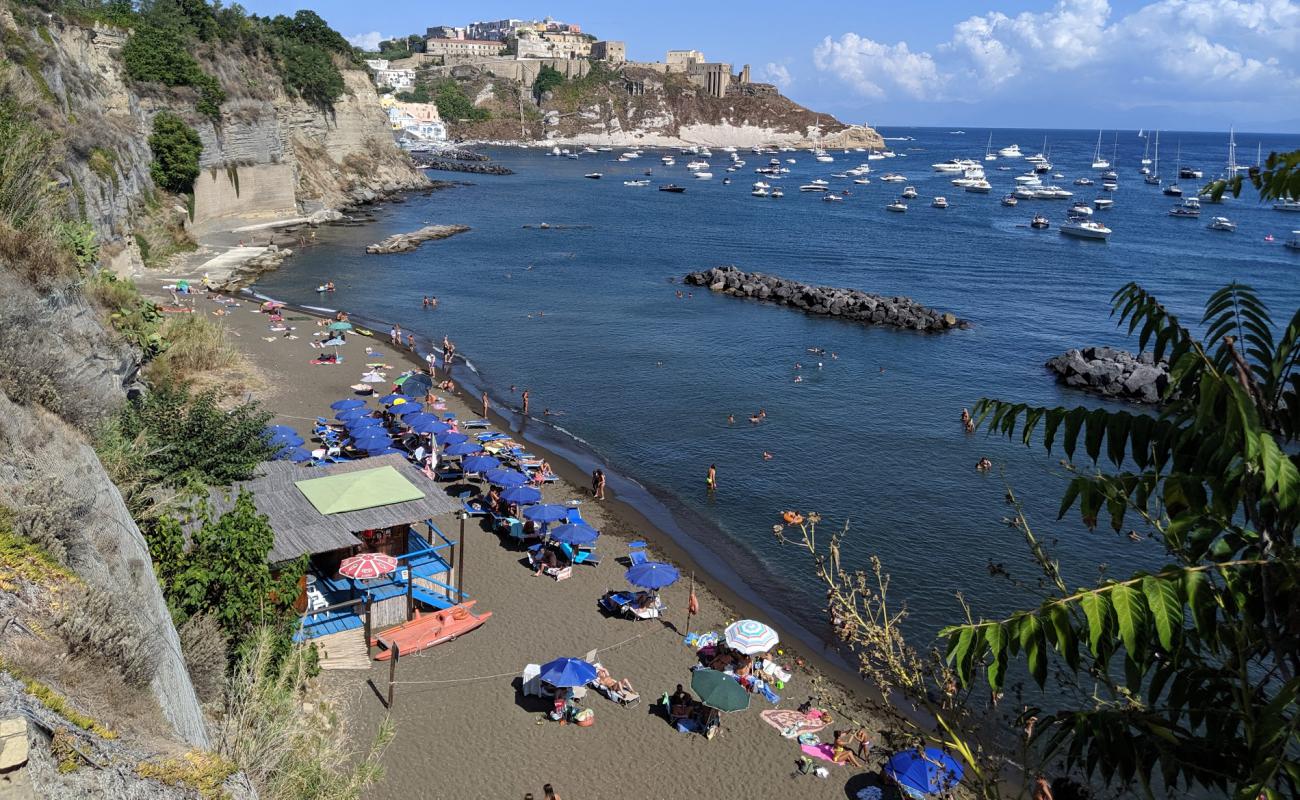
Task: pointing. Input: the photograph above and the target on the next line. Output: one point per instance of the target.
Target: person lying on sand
(841, 754)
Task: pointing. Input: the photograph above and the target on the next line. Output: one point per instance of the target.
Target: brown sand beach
(463, 730)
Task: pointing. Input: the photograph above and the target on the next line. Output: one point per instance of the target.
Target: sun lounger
(575, 517)
(635, 557)
(648, 613)
(472, 510)
(531, 679)
(475, 423)
(616, 602)
(624, 698)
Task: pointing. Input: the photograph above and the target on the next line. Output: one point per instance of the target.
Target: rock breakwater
(853, 304)
(406, 242)
(474, 167)
(1112, 373)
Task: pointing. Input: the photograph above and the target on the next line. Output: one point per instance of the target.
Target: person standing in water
(712, 479)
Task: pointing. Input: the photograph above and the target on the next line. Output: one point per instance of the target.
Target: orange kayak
(427, 630)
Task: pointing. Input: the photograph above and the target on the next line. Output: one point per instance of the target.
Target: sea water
(642, 381)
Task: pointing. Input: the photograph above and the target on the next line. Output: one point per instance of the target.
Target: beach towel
(823, 751)
(784, 719)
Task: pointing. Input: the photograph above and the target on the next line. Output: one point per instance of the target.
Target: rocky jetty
(1112, 373)
(864, 307)
(406, 242)
(475, 167)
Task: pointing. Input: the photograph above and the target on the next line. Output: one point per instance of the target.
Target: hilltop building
(462, 48)
(613, 52)
(682, 59)
(444, 32)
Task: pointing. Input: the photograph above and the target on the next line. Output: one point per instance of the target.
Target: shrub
(547, 79)
(129, 313)
(199, 771)
(23, 558)
(42, 513)
(99, 626)
(195, 345)
(454, 104)
(28, 194)
(309, 72)
(78, 239)
(207, 655)
(176, 149)
(157, 54)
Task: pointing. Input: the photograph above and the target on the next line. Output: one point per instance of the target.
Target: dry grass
(199, 353)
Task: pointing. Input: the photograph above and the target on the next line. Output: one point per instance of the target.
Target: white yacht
(909, 192)
(1287, 204)
(1053, 193)
(1190, 207)
(823, 157)
(703, 175)
(893, 177)
(980, 186)
(636, 183)
(762, 185)
(1083, 181)
(832, 197)
(1010, 151)
(1028, 179)
(819, 182)
(1084, 229)
(1081, 208)
(759, 191)
(697, 165)
(1010, 200)
(989, 155)
(706, 153)
(1024, 193)
(1103, 202)
(667, 161)
(862, 181)
(812, 187)
(1097, 161)
(898, 205)
(939, 202)
(1222, 224)
(955, 165)
(1294, 242)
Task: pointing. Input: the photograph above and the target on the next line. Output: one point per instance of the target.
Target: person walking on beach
(525, 399)
(395, 335)
(485, 404)
(712, 479)
(410, 340)
(600, 484)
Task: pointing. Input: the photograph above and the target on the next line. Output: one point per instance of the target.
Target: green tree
(306, 27)
(226, 573)
(548, 78)
(453, 103)
(176, 149)
(310, 72)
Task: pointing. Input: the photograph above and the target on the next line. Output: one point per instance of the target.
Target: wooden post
(410, 588)
(365, 608)
(460, 563)
(392, 672)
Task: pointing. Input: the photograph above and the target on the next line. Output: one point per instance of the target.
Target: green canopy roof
(355, 491)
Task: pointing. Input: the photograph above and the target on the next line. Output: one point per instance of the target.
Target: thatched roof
(300, 529)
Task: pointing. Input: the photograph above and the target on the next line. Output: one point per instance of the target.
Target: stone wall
(243, 194)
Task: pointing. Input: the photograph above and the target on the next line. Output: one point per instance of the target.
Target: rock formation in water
(406, 242)
(1112, 373)
(852, 304)
(473, 167)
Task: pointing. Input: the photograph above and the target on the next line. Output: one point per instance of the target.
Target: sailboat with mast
(1173, 189)
(989, 155)
(1145, 169)
(1154, 178)
(1097, 161)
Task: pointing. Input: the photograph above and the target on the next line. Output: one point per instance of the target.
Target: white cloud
(1163, 51)
(367, 41)
(878, 70)
(778, 74)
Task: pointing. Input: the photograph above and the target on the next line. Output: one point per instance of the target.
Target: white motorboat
(939, 202)
(1294, 242)
(555, 151)
(788, 161)
(955, 165)
(1190, 207)
(980, 186)
(819, 182)
(1010, 151)
(1052, 193)
(909, 192)
(1110, 186)
(832, 198)
(759, 191)
(703, 175)
(1024, 193)
(589, 151)
(1103, 203)
(893, 177)
(1039, 222)
(604, 149)
(593, 175)
(762, 185)
(1287, 204)
(898, 205)
(1010, 200)
(1081, 208)
(776, 192)
(697, 165)
(812, 187)
(823, 157)
(1097, 161)
(631, 154)
(706, 153)
(862, 181)
(636, 183)
(1084, 229)
(1083, 181)
(668, 160)
(1222, 224)
(839, 174)
(1028, 179)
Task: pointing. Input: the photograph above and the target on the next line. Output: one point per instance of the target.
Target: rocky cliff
(635, 106)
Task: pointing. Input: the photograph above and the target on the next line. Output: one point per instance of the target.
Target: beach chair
(624, 698)
(575, 517)
(616, 602)
(635, 557)
(473, 511)
(475, 423)
(580, 555)
(531, 681)
(654, 612)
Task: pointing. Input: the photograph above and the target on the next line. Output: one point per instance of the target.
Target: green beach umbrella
(719, 690)
(340, 326)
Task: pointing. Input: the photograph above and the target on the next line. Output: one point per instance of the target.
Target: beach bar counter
(376, 505)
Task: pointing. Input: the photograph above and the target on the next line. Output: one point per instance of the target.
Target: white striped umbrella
(750, 636)
(365, 566)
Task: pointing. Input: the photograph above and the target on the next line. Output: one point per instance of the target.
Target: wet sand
(462, 728)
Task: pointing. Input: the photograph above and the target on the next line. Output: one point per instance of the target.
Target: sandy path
(462, 731)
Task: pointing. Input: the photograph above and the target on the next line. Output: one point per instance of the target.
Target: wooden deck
(343, 650)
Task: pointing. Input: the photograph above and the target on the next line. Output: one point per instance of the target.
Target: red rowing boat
(427, 630)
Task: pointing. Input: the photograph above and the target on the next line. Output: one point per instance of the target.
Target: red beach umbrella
(365, 566)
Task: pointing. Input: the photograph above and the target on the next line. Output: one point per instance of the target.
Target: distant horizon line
(987, 128)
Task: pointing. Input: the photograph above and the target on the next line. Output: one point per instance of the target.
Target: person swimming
(767, 456)
(731, 419)
(754, 419)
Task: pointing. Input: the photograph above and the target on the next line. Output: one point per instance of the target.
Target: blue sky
(1174, 64)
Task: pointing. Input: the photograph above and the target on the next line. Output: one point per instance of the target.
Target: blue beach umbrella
(348, 404)
(406, 408)
(652, 575)
(506, 477)
(451, 437)
(575, 534)
(480, 464)
(389, 399)
(419, 417)
(424, 425)
(388, 451)
(521, 495)
(365, 422)
(568, 672)
(352, 413)
(547, 513)
(463, 449)
(294, 454)
(291, 439)
(274, 429)
(360, 438)
(919, 775)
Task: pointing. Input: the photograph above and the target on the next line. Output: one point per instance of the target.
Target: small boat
(726, 181)
(1103, 202)
(1110, 175)
(909, 192)
(427, 630)
(832, 198)
(1084, 229)
(1010, 200)
(1287, 204)
(893, 177)
(672, 187)
(703, 176)
(636, 183)
(761, 185)
(862, 181)
(980, 186)
(668, 161)
(1024, 193)
(1222, 224)
(1081, 208)
(819, 182)
(1294, 242)
(697, 165)
(824, 157)
(1040, 222)
(1010, 151)
(1190, 208)
(595, 176)
(1110, 186)
(1083, 181)
(939, 202)
(1189, 173)
(573, 156)
(898, 205)
(648, 172)
(812, 187)
(1173, 190)
(777, 192)
(759, 191)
